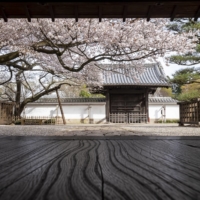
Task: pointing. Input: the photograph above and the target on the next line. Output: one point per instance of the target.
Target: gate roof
(149, 75)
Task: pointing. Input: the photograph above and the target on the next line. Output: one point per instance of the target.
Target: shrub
(50, 121)
(17, 122)
(168, 121)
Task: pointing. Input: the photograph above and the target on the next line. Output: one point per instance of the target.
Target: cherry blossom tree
(73, 45)
(30, 85)
(76, 50)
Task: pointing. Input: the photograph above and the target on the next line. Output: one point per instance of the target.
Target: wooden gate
(127, 108)
(189, 112)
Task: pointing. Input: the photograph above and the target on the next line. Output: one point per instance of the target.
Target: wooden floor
(34, 168)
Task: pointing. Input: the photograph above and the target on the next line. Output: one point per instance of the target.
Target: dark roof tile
(82, 100)
(70, 100)
(162, 100)
(152, 75)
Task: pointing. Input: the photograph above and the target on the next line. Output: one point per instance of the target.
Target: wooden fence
(127, 118)
(37, 120)
(189, 112)
(6, 112)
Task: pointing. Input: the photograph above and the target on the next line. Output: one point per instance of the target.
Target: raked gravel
(99, 130)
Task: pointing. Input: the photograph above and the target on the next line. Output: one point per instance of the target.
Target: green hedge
(50, 121)
(168, 121)
(17, 122)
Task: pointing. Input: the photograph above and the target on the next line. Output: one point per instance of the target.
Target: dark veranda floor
(88, 168)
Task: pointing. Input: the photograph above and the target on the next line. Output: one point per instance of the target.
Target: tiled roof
(83, 100)
(162, 100)
(152, 75)
(70, 100)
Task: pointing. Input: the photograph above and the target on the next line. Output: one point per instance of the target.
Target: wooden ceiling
(123, 10)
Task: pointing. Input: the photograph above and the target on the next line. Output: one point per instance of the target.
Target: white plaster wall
(75, 111)
(95, 112)
(172, 111)
(155, 111)
(98, 112)
(39, 110)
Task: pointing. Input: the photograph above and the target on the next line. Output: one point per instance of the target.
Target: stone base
(83, 121)
(152, 121)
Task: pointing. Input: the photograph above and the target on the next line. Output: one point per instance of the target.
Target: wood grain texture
(51, 168)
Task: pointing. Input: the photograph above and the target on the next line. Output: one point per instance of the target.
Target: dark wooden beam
(76, 13)
(100, 13)
(52, 13)
(126, 91)
(4, 15)
(124, 13)
(136, 9)
(197, 14)
(28, 13)
(173, 13)
(149, 13)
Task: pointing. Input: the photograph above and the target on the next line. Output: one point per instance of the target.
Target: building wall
(39, 110)
(172, 111)
(93, 113)
(74, 113)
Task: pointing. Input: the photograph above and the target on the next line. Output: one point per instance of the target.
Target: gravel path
(100, 130)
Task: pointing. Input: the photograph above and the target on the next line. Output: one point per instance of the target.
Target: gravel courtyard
(99, 130)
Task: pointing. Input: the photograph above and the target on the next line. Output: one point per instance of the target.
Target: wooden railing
(118, 118)
(137, 118)
(127, 118)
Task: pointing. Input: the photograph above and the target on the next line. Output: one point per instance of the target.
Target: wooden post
(107, 106)
(61, 110)
(198, 110)
(147, 104)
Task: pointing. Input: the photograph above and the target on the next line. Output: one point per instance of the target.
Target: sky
(172, 68)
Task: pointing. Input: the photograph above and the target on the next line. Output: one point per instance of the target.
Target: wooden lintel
(126, 91)
(149, 13)
(197, 14)
(124, 13)
(28, 13)
(76, 13)
(4, 15)
(52, 13)
(100, 13)
(173, 13)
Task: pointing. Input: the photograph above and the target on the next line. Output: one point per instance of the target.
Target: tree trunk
(22, 104)
(18, 95)
(61, 110)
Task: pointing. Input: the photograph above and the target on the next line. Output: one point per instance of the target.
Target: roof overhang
(67, 103)
(123, 10)
(137, 85)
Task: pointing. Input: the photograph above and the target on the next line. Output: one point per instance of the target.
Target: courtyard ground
(100, 130)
